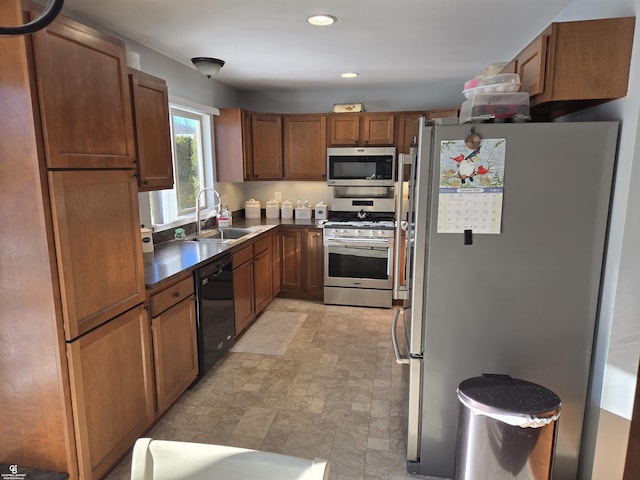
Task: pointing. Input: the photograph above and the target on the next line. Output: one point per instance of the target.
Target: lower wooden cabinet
(175, 346)
(262, 278)
(112, 390)
(301, 262)
(243, 292)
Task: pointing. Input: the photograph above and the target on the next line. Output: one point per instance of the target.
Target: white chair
(168, 460)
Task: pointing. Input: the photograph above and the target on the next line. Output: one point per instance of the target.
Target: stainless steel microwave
(361, 166)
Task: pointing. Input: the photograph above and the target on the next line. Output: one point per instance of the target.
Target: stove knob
(343, 232)
(380, 233)
(334, 231)
(357, 233)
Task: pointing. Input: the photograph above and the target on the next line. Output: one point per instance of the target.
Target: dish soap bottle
(224, 218)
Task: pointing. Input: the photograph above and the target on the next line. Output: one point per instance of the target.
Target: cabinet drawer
(261, 245)
(242, 256)
(167, 298)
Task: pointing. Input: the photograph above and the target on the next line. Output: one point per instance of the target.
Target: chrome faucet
(216, 206)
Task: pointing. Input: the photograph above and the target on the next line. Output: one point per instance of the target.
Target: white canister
(321, 211)
(273, 209)
(147, 240)
(287, 209)
(252, 209)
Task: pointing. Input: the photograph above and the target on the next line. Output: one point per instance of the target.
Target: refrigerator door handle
(400, 291)
(394, 339)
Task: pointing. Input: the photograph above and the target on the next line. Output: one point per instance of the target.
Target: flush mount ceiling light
(208, 66)
(349, 75)
(322, 20)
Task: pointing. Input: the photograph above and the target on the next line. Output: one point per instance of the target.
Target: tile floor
(337, 393)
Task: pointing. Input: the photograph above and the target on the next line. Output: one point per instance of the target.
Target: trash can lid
(503, 395)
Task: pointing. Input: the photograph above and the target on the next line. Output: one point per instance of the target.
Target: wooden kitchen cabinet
(361, 129)
(266, 146)
(84, 99)
(305, 147)
(150, 106)
(406, 129)
(262, 278)
(243, 290)
(252, 280)
(73, 268)
(276, 256)
(234, 162)
(574, 65)
(302, 262)
(98, 248)
(111, 390)
(175, 346)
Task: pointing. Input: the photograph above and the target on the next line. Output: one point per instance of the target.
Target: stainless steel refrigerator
(508, 283)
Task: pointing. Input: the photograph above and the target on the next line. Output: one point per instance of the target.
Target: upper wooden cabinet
(361, 129)
(97, 244)
(150, 100)
(575, 65)
(266, 136)
(83, 92)
(406, 129)
(305, 147)
(233, 145)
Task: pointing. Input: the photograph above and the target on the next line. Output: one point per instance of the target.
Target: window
(191, 133)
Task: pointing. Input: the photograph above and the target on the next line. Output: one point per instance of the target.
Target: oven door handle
(373, 242)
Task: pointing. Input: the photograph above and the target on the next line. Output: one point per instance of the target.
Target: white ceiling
(269, 44)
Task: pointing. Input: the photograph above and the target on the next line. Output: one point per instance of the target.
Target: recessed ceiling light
(349, 75)
(322, 20)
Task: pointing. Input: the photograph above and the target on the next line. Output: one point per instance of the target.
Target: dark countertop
(178, 256)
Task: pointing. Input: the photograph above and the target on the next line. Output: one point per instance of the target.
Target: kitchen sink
(223, 235)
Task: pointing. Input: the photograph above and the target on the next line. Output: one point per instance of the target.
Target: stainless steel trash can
(506, 429)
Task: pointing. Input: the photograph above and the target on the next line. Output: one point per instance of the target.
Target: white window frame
(164, 203)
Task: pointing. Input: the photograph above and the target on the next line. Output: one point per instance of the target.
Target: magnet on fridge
(468, 237)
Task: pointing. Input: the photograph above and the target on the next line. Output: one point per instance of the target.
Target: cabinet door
(266, 131)
(377, 129)
(233, 145)
(84, 97)
(98, 248)
(314, 261)
(175, 351)
(406, 129)
(262, 280)
(243, 296)
(305, 147)
(153, 137)
(344, 129)
(530, 65)
(112, 390)
(291, 251)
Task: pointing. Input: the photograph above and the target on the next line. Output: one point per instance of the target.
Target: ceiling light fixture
(208, 66)
(322, 20)
(349, 75)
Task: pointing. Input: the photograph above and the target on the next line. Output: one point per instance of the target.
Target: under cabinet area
(150, 108)
(175, 350)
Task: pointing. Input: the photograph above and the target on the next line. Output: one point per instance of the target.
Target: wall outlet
(277, 196)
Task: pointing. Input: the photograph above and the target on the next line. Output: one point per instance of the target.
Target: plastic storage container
(273, 209)
(488, 106)
(252, 209)
(507, 429)
(287, 209)
(500, 83)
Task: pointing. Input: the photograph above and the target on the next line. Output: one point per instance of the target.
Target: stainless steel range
(358, 251)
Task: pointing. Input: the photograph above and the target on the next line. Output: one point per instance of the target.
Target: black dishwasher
(215, 319)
